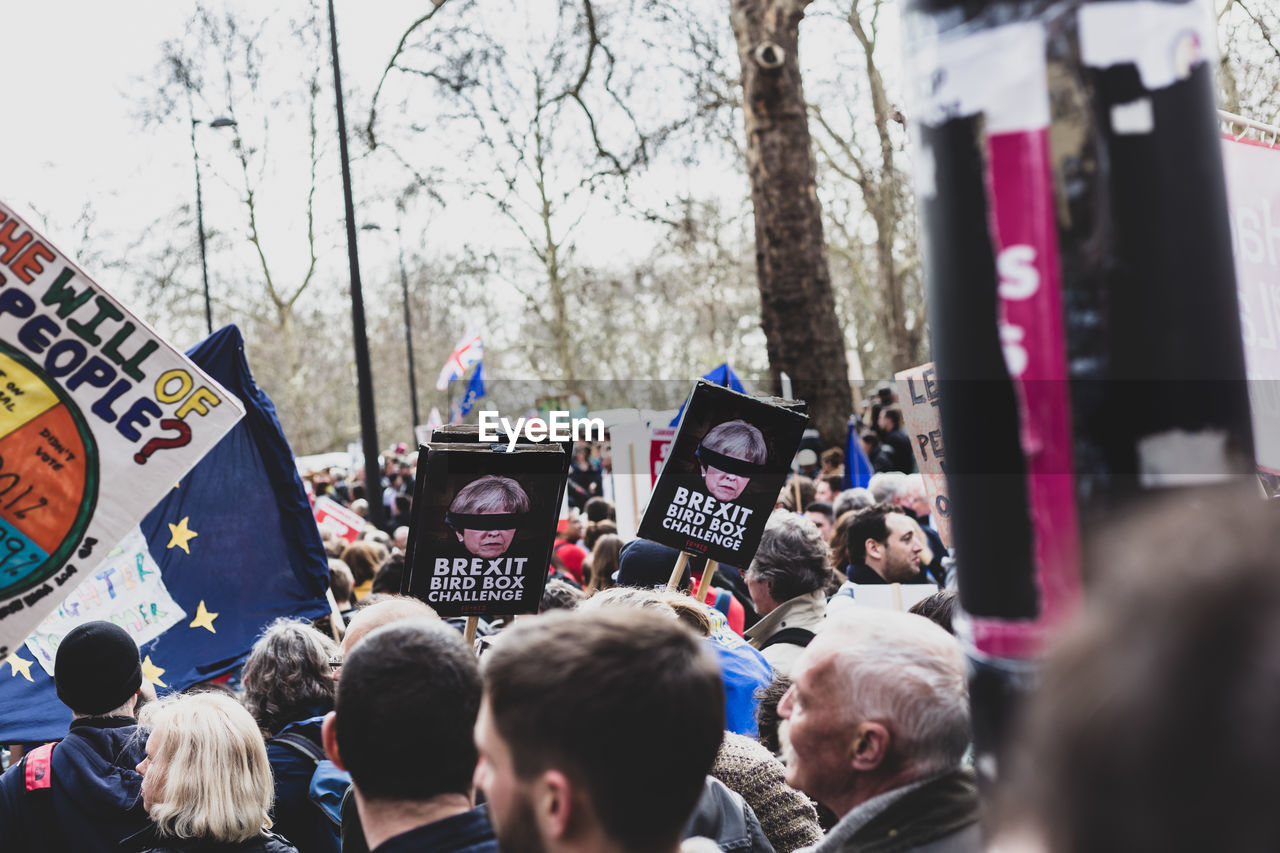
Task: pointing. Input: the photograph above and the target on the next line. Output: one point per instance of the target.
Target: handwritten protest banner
(918, 397)
(99, 417)
(126, 588)
(1253, 195)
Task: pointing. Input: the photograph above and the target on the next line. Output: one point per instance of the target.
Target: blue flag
(857, 467)
(475, 390)
(722, 376)
(237, 547)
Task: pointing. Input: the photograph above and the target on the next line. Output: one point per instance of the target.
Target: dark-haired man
(884, 546)
(407, 701)
(892, 434)
(597, 731)
(83, 793)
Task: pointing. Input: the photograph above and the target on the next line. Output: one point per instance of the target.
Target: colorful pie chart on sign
(48, 474)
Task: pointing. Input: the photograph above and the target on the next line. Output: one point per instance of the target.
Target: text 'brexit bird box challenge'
(484, 521)
(721, 480)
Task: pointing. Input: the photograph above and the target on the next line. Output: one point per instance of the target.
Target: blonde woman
(206, 781)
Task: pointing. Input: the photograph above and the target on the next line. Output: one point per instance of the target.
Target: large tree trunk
(797, 307)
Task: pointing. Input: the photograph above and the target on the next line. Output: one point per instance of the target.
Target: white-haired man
(875, 727)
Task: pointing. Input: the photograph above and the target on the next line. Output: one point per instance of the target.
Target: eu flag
(722, 376)
(237, 547)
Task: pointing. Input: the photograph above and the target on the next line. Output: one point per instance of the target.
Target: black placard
(700, 507)
(459, 560)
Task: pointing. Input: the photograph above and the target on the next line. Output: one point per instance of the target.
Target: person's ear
(874, 548)
(870, 746)
(329, 734)
(553, 802)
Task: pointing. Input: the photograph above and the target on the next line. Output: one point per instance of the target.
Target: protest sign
(484, 521)
(126, 588)
(721, 479)
(918, 398)
(99, 417)
(1253, 195)
(337, 519)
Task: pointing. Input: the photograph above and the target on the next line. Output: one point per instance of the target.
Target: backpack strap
(37, 775)
(789, 636)
(301, 744)
(37, 768)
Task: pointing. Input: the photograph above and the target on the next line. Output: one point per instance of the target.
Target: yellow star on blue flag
(180, 535)
(204, 619)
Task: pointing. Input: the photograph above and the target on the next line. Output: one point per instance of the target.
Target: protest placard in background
(337, 519)
(484, 521)
(99, 417)
(1253, 196)
(918, 399)
(721, 479)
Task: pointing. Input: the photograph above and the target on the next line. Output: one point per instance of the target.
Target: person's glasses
(335, 662)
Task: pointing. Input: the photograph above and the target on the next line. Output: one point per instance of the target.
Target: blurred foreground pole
(1081, 292)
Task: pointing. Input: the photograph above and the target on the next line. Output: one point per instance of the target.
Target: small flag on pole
(468, 351)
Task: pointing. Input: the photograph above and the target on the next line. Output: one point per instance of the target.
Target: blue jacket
(96, 790)
(294, 815)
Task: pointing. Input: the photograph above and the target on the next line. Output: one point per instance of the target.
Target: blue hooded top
(96, 790)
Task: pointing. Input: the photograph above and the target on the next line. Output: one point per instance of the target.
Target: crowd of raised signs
(815, 698)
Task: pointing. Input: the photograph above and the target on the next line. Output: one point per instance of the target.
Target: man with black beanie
(83, 792)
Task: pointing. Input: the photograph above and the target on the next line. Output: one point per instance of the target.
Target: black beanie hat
(647, 564)
(97, 668)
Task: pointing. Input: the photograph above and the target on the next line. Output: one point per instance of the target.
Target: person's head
(792, 560)
(913, 497)
(598, 509)
(1177, 653)
(400, 538)
(828, 487)
(596, 529)
(570, 529)
(938, 608)
(360, 506)
(695, 615)
(885, 486)
(604, 561)
(884, 538)
(819, 512)
(831, 460)
(879, 699)
(341, 582)
(559, 595)
(206, 773)
(850, 499)
(486, 513)
(287, 676)
(97, 671)
(730, 454)
(890, 419)
(391, 609)
(362, 559)
(390, 574)
(797, 494)
(407, 702)
(648, 564)
(597, 729)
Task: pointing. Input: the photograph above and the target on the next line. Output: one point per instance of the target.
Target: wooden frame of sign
(482, 528)
(728, 462)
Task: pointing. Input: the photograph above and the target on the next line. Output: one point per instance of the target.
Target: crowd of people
(788, 711)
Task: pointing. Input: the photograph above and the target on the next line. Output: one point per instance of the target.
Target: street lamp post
(364, 375)
(408, 332)
(204, 264)
(408, 326)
